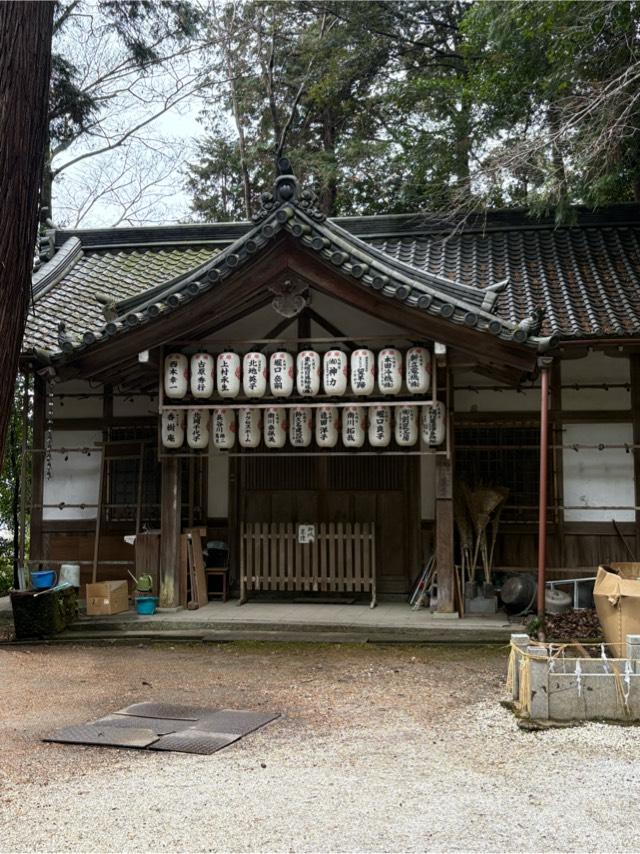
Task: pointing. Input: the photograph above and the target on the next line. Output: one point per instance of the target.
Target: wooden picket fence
(341, 559)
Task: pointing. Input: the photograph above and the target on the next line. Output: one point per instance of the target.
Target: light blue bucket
(146, 605)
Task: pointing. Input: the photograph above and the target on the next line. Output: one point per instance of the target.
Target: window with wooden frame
(122, 481)
(504, 455)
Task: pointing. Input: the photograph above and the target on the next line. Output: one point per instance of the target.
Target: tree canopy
(391, 106)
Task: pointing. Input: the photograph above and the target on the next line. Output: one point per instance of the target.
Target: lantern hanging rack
(476, 389)
(302, 402)
(240, 343)
(251, 454)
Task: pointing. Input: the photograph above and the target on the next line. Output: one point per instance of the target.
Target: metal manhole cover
(104, 735)
(195, 741)
(166, 711)
(239, 722)
(161, 726)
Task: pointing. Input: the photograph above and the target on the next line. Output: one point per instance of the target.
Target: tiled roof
(586, 276)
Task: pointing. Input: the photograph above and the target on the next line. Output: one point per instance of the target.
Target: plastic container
(146, 605)
(42, 579)
(70, 572)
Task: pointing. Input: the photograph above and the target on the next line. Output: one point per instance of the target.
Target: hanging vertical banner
(198, 429)
(308, 373)
(176, 375)
(275, 427)
(228, 374)
(202, 375)
(418, 370)
(281, 374)
(434, 423)
(390, 371)
(363, 372)
(335, 372)
(379, 426)
(224, 429)
(254, 374)
(327, 424)
(406, 427)
(300, 424)
(172, 428)
(353, 426)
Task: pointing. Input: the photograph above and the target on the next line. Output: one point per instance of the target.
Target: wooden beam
(444, 535)
(37, 466)
(170, 528)
(634, 369)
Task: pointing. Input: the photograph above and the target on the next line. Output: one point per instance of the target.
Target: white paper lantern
(418, 370)
(390, 371)
(335, 372)
(249, 427)
(327, 423)
(363, 372)
(202, 375)
(281, 374)
(379, 426)
(224, 429)
(176, 375)
(406, 427)
(300, 426)
(434, 423)
(228, 374)
(353, 426)
(254, 374)
(173, 428)
(308, 373)
(275, 427)
(198, 429)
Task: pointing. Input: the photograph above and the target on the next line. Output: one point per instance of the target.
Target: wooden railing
(340, 559)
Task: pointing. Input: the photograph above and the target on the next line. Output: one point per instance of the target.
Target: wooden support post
(634, 369)
(444, 535)
(545, 366)
(36, 545)
(170, 527)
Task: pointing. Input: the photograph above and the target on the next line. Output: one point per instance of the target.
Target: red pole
(542, 501)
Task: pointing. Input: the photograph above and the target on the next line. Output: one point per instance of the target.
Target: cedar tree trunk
(25, 62)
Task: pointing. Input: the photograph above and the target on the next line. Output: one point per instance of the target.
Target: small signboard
(306, 534)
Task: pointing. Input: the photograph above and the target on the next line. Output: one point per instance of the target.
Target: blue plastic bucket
(146, 604)
(42, 579)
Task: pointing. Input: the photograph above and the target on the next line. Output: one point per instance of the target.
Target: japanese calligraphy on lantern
(198, 429)
(176, 375)
(406, 427)
(335, 372)
(390, 371)
(434, 423)
(275, 427)
(228, 374)
(172, 428)
(281, 374)
(308, 373)
(254, 374)
(418, 370)
(224, 429)
(353, 422)
(362, 372)
(249, 427)
(202, 374)
(300, 427)
(379, 426)
(327, 423)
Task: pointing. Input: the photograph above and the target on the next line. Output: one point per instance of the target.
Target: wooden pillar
(634, 370)
(36, 544)
(444, 535)
(170, 529)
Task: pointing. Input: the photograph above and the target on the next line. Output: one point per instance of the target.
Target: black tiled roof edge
(293, 210)
(50, 273)
(379, 225)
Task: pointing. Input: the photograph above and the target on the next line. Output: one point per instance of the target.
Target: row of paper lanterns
(274, 424)
(308, 371)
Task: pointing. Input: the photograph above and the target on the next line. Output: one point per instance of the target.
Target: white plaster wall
(129, 407)
(595, 368)
(598, 478)
(482, 399)
(75, 481)
(218, 485)
(74, 407)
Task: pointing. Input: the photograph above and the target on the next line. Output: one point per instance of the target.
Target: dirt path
(379, 749)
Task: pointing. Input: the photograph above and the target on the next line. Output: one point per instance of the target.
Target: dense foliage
(388, 106)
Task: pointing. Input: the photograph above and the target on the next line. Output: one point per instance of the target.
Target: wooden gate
(340, 559)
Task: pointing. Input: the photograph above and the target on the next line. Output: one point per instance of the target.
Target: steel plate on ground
(237, 721)
(195, 741)
(104, 735)
(161, 726)
(166, 711)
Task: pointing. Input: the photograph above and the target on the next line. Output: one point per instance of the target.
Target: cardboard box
(617, 597)
(107, 597)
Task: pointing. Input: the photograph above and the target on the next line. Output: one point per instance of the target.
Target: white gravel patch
(468, 781)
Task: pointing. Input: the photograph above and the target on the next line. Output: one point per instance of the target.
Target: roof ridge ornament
(287, 190)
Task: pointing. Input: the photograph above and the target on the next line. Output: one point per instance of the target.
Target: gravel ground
(380, 749)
